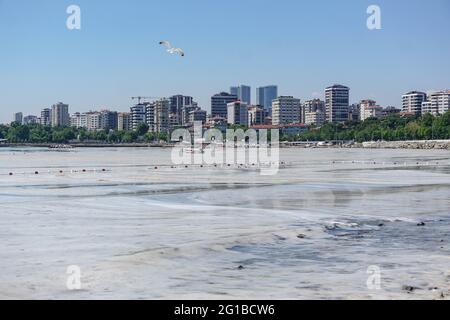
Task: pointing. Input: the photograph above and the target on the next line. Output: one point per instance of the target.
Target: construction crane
(139, 98)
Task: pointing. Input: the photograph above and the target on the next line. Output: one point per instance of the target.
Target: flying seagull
(171, 49)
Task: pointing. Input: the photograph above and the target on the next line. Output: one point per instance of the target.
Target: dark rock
(241, 268)
(301, 236)
(421, 224)
(409, 288)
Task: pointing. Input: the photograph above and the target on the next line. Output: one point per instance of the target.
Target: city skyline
(46, 63)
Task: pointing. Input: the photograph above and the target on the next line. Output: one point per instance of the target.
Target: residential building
(93, 121)
(157, 115)
(174, 120)
(265, 96)
(337, 103)
(315, 118)
(186, 112)
(60, 115)
(108, 120)
(179, 101)
(178, 104)
(138, 114)
(315, 106)
(256, 115)
(237, 113)
(219, 103)
(18, 117)
(46, 117)
(390, 110)
(437, 103)
(354, 112)
(30, 119)
(412, 102)
(364, 107)
(285, 110)
(372, 112)
(197, 115)
(285, 130)
(123, 121)
(78, 120)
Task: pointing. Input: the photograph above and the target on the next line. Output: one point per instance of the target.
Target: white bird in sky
(171, 49)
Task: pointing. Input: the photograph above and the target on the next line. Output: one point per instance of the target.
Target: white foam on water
(311, 231)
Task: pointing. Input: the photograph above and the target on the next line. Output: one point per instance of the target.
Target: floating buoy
(84, 170)
(36, 172)
(103, 170)
(10, 173)
(60, 171)
(156, 168)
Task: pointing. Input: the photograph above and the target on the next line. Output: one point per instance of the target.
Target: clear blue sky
(302, 46)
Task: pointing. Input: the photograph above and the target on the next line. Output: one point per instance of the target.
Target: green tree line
(394, 127)
(36, 133)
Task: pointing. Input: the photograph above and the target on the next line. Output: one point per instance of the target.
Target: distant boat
(193, 150)
(60, 147)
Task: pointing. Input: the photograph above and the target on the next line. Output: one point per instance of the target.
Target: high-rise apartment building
(46, 117)
(219, 103)
(178, 104)
(285, 110)
(60, 115)
(412, 102)
(157, 115)
(18, 117)
(337, 101)
(437, 103)
(138, 114)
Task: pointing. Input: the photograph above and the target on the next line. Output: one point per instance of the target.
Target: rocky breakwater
(425, 144)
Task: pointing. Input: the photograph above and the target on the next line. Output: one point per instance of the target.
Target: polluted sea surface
(332, 224)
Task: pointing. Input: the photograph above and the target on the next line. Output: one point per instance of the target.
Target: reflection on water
(143, 228)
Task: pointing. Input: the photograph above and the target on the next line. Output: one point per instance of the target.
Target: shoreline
(412, 144)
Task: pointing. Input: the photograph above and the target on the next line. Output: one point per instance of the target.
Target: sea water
(139, 227)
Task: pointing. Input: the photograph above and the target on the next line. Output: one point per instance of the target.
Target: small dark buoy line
(241, 166)
(246, 166)
(395, 163)
(55, 172)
